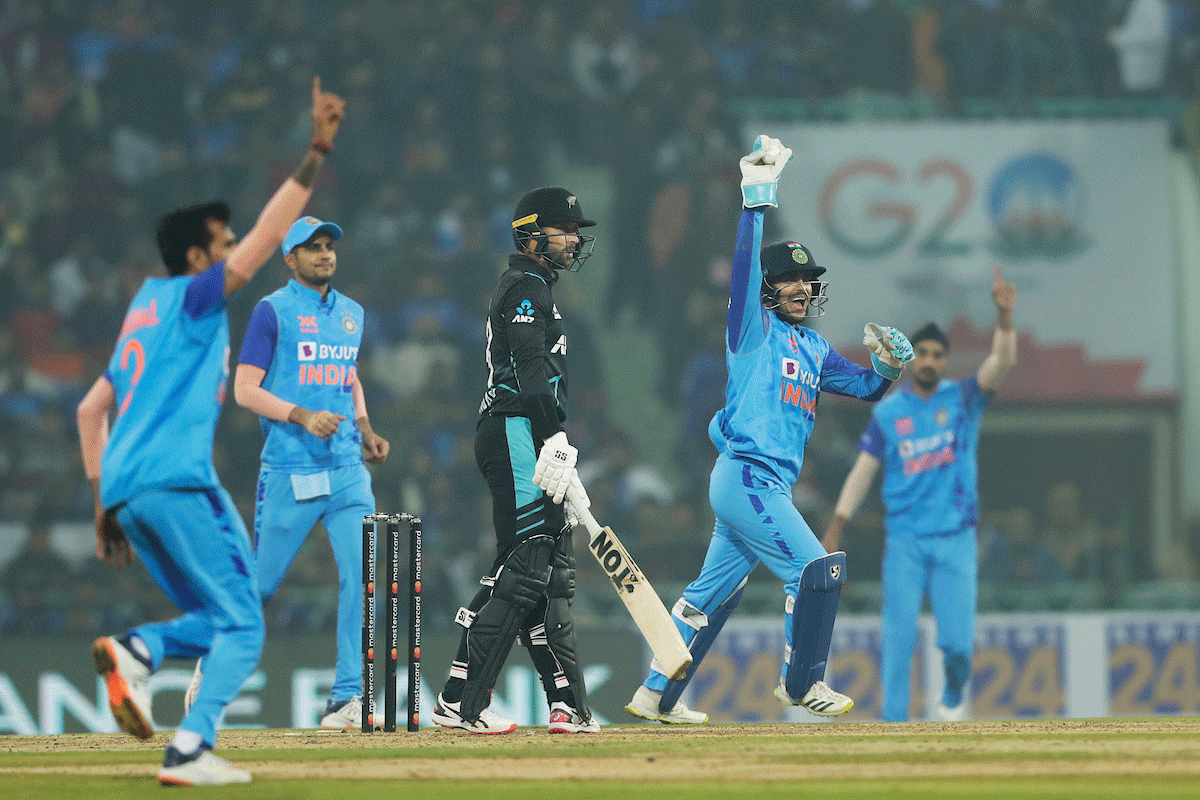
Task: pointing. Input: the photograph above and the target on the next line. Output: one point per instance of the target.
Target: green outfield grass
(1155, 758)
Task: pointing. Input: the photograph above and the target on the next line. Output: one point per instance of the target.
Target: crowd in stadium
(113, 111)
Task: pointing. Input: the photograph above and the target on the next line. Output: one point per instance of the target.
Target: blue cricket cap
(306, 228)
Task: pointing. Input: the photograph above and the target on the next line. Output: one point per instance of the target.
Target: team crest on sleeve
(904, 426)
(348, 324)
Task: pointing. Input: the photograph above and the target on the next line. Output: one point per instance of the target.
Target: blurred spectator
(929, 68)
(632, 480)
(603, 63)
(701, 395)
(878, 56)
(1142, 41)
(1019, 553)
(46, 343)
(1110, 563)
(38, 579)
(383, 227)
(1070, 531)
(736, 53)
(548, 101)
(658, 530)
(31, 43)
(1043, 57)
(972, 42)
(807, 496)
(1189, 120)
(638, 137)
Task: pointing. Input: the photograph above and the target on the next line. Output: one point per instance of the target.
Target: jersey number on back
(132, 347)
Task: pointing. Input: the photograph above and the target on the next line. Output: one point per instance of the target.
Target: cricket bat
(647, 610)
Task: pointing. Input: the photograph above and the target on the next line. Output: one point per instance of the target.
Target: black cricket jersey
(526, 350)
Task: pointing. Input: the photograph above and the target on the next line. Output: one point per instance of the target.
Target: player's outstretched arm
(1004, 341)
(760, 169)
(858, 481)
(289, 200)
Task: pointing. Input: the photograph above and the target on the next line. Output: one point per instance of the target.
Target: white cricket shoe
(193, 688)
(345, 715)
(446, 714)
(645, 705)
(199, 769)
(564, 719)
(819, 699)
(956, 713)
(128, 686)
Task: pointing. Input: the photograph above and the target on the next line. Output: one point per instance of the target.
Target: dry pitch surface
(1148, 750)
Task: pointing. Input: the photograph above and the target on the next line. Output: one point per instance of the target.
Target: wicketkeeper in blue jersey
(152, 475)
(298, 371)
(926, 435)
(777, 370)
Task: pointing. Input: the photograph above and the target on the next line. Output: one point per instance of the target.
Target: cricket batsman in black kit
(523, 453)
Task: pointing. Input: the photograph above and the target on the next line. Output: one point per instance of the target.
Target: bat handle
(584, 513)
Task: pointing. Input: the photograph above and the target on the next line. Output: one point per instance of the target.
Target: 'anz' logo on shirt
(524, 312)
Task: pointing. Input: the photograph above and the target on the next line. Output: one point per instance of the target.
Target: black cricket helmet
(789, 262)
(555, 207)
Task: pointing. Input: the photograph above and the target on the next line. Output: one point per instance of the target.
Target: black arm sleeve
(526, 333)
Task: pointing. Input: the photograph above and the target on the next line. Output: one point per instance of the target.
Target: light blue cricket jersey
(929, 449)
(776, 372)
(309, 350)
(169, 371)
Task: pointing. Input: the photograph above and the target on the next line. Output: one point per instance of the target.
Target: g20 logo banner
(910, 219)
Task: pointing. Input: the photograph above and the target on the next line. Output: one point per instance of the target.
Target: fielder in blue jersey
(152, 475)
(777, 370)
(926, 436)
(297, 371)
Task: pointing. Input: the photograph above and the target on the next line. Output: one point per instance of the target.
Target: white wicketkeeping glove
(890, 349)
(576, 498)
(760, 171)
(555, 466)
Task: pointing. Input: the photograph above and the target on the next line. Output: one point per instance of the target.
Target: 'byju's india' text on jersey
(929, 450)
(309, 350)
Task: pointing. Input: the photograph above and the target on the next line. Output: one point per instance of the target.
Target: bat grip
(584, 513)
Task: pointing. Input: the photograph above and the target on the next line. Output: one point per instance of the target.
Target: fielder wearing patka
(928, 449)
(309, 349)
(777, 370)
(926, 436)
